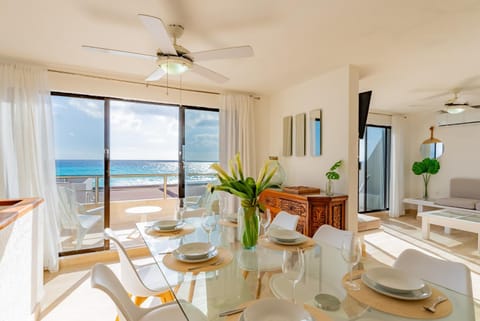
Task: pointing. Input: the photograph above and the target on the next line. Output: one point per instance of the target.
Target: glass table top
(253, 274)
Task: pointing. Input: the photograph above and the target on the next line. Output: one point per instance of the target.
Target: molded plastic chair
(332, 235)
(104, 279)
(285, 220)
(452, 275)
(73, 216)
(145, 280)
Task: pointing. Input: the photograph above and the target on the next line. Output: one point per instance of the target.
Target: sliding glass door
(374, 169)
(131, 161)
(79, 127)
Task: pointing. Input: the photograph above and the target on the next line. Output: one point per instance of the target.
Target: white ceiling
(406, 50)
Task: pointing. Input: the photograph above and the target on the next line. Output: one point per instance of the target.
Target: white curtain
(397, 175)
(27, 159)
(237, 134)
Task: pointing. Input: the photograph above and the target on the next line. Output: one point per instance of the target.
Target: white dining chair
(285, 220)
(452, 275)
(104, 279)
(145, 280)
(332, 236)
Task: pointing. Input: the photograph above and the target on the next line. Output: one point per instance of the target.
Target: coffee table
(457, 219)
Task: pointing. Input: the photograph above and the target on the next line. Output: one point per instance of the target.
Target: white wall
(336, 94)
(461, 157)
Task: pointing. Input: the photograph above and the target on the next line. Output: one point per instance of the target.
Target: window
(117, 155)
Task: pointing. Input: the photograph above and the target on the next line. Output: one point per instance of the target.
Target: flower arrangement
(248, 190)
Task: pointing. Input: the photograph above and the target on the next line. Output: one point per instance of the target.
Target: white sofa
(464, 193)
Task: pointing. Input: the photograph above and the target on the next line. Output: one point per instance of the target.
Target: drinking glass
(351, 253)
(293, 267)
(209, 221)
(265, 219)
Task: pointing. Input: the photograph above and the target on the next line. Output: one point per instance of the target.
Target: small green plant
(426, 168)
(332, 174)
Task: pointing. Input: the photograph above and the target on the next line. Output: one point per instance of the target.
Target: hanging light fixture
(174, 65)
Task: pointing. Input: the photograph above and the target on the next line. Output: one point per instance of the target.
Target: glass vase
(280, 176)
(248, 224)
(329, 188)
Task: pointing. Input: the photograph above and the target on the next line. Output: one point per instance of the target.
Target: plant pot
(248, 225)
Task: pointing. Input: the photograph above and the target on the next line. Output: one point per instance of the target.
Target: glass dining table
(239, 277)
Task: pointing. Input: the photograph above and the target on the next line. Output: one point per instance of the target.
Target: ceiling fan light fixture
(455, 109)
(173, 65)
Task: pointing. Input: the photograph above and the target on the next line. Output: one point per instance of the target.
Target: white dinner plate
(167, 225)
(284, 235)
(195, 250)
(394, 280)
(420, 294)
(301, 239)
(271, 309)
(185, 259)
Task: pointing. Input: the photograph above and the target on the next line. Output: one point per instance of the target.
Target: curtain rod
(140, 83)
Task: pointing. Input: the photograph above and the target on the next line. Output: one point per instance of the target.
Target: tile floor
(69, 297)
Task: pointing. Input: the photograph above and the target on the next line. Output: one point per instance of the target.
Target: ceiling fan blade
(157, 30)
(119, 52)
(156, 75)
(207, 73)
(224, 53)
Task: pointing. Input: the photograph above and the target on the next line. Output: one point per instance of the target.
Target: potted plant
(248, 190)
(331, 176)
(426, 168)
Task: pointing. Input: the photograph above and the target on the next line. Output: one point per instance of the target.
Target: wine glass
(265, 219)
(351, 253)
(293, 267)
(209, 221)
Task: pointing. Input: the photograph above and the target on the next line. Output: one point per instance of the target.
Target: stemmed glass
(351, 253)
(209, 221)
(265, 219)
(293, 267)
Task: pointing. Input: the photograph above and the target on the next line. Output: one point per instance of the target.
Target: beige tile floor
(69, 297)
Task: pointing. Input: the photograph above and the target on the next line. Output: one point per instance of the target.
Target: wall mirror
(315, 121)
(287, 136)
(300, 134)
(432, 147)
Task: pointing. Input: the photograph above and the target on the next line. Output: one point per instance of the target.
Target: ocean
(122, 167)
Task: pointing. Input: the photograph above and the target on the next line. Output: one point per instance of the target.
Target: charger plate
(403, 308)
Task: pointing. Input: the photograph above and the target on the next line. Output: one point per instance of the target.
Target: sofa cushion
(458, 202)
(465, 188)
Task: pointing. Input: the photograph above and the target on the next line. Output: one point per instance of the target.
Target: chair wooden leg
(192, 287)
(165, 296)
(139, 300)
(245, 274)
(259, 284)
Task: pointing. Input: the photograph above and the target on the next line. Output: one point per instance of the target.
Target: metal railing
(97, 178)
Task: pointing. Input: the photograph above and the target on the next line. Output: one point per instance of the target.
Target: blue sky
(137, 130)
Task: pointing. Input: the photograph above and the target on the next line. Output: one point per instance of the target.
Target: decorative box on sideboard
(313, 210)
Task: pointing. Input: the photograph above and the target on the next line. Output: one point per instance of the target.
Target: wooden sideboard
(314, 209)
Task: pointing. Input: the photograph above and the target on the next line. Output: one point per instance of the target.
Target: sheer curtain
(237, 135)
(397, 174)
(27, 159)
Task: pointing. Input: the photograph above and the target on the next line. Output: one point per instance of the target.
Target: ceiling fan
(456, 105)
(173, 59)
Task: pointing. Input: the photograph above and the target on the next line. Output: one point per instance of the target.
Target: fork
(218, 262)
(432, 306)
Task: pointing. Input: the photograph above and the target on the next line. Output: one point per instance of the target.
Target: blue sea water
(122, 167)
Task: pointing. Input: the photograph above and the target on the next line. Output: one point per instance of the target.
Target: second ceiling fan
(173, 59)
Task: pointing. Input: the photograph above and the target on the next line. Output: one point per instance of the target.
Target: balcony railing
(93, 187)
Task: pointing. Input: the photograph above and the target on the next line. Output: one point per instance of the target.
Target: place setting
(197, 257)
(169, 227)
(267, 309)
(393, 291)
(283, 239)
